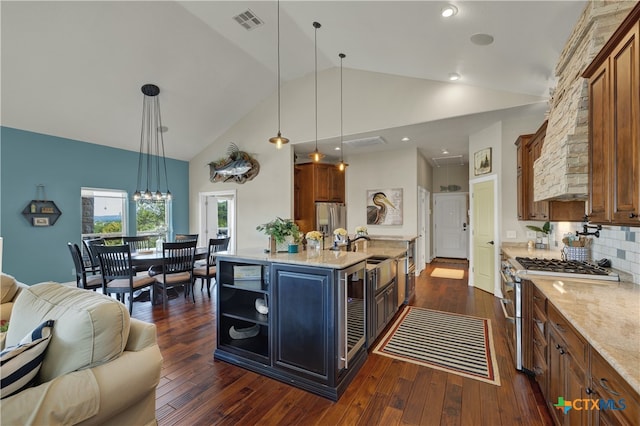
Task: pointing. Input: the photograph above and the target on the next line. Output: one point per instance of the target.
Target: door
(423, 255)
(450, 224)
(483, 226)
(218, 216)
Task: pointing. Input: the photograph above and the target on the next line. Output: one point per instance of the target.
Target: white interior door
(450, 225)
(484, 239)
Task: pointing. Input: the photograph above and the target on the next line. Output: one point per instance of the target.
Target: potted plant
(281, 232)
(545, 230)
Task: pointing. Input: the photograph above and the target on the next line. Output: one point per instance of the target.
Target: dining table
(144, 259)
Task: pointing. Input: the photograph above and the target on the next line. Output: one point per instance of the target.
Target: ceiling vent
(248, 20)
(371, 141)
(450, 160)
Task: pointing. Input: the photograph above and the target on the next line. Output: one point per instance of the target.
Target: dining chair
(207, 271)
(186, 237)
(140, 242)
(177, 268)
(85, 276)
(118, 274)
(91, 255)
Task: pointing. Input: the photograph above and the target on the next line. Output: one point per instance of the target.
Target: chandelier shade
(152, 163)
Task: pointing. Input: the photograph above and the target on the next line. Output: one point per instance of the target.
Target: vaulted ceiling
(74, 69)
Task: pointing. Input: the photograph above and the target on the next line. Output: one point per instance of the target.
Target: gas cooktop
(565, 268)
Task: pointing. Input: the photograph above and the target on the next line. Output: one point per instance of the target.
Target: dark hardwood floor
(196, 390)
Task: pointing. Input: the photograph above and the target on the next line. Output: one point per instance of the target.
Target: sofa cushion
(8, 288)
(91, 328)
(19, 364)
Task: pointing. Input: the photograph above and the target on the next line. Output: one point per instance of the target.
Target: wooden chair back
(138, 242)
(178, 256)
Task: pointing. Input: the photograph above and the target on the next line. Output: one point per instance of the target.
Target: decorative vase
(313, 248)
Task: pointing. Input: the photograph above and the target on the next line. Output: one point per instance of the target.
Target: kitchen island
(298, 318)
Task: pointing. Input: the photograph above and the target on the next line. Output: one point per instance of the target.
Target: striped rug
(454, 343)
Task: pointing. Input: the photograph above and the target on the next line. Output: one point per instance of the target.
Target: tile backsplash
(621, 244)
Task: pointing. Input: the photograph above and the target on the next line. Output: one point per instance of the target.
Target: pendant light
(316, 155)
(279, 140)
(341, 164)
(151, 146)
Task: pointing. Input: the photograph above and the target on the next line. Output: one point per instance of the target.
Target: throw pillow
(20, 364)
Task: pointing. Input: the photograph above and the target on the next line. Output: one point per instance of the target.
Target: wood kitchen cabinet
(567, 366)
(315, 182)
(529, 148)
(614, 127)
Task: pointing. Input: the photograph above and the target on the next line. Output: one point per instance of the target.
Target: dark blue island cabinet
(297, 322)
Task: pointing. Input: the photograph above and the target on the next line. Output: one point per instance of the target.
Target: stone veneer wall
(561, 172)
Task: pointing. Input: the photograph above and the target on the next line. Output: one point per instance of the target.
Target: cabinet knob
(588, 391)
(632, 215)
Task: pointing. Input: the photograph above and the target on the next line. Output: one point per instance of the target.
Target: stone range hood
(562, 170)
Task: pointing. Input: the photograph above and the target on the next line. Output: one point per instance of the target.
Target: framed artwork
(482, 162)
(40, 221)
(384, 206)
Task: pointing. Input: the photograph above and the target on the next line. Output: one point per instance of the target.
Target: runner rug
(454, 343)
(456, 274)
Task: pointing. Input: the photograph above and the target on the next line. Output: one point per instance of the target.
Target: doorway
(218, 216)
(484, 223)
(450, 223)
(423, 243)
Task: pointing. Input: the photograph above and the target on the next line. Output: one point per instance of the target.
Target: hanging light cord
(342, 56)
(279, 68)
(315, 41)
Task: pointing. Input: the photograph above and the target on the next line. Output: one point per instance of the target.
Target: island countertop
(322, 258)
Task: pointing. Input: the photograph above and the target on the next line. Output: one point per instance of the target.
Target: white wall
(371, 101)
(379, 170)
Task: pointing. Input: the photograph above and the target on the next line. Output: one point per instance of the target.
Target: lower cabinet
(304, 330)
(383, 309)
(308, 338)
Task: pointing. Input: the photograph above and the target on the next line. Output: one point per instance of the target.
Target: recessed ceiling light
(449, 11)
(454, 76)
(405, 139)
(445, 151)
(482, 39)
(337, 148)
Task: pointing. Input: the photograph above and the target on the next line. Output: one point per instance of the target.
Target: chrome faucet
(359, 237)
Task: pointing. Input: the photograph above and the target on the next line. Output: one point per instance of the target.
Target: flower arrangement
(314, 236)
(361, 229)
(340, 231)
(4, 326)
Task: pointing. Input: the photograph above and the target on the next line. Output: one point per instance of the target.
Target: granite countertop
(323, 258)
(605, 313)
(393, 237)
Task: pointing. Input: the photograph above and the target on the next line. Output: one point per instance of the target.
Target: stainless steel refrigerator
(330, 216)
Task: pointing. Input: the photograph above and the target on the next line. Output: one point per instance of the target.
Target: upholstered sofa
(100, 365)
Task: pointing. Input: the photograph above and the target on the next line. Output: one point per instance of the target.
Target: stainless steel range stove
(563, 269)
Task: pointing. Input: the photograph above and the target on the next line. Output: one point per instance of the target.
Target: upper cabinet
(315, 182)
(529, 148)
(614, 127)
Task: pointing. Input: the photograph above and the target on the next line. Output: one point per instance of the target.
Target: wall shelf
(41, 213)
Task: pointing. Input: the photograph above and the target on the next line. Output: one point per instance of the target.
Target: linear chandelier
(151, 147)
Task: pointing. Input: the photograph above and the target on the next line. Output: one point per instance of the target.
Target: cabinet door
(625, 69)
(380, 316)
(321, 182)
(599, 152)
(337, 185)
(304, 322)
(391, 302)
(576, 384)
(556, 373)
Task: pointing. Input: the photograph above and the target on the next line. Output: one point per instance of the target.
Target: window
(153, 218)
(104, 213)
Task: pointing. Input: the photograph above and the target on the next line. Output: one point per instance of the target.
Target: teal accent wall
(63, 166)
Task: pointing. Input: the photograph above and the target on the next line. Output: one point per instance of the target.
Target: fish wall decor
(238, 166)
